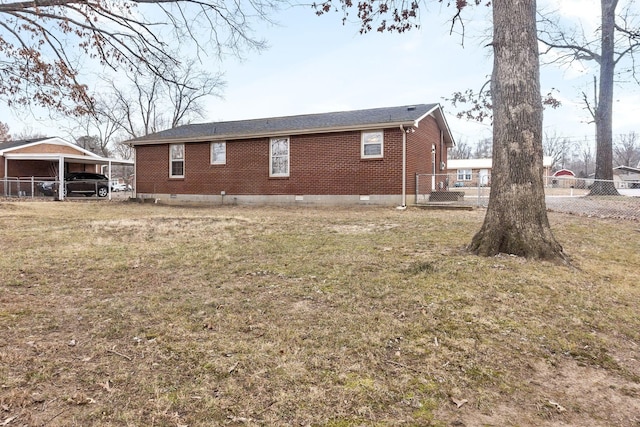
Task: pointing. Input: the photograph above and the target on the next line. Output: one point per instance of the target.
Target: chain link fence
(28, 187)
(47, 187)
(618, 198)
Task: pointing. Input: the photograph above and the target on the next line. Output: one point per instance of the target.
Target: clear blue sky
(315, 64)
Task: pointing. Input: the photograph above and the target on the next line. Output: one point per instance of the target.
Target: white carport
(62, 158)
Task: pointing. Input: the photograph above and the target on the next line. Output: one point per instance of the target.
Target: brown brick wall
(42, 168)
(419, 159)
(25, 168)
(321, 164)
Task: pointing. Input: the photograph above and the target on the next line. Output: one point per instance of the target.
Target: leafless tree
(93, 144)
(616, 42)
(96, 130)
(558, 148)
(483, 148)
(626, 152)
(189, 87)
(4, 132)
(137, 105)
(585, 161)
(148, 104)
(44, 43)
(123, 151)
(462, 150)
(28, 133)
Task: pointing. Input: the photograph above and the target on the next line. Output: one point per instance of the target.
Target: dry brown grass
(122, 314)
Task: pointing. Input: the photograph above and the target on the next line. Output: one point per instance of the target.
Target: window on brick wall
(176, 160)
(279, 157)
(464, 174)
(218, 153)
(372, 145)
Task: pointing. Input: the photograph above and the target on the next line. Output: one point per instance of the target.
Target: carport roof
(69, 158)
(87, 157)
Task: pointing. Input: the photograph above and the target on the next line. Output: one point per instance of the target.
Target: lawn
(126, 314)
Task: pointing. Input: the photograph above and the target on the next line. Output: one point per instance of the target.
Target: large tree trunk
(516, 221)
(603, 185)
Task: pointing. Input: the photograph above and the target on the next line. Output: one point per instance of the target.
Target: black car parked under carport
(86, 183)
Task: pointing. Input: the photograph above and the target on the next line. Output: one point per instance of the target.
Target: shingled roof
(19, 143)
(302, 124)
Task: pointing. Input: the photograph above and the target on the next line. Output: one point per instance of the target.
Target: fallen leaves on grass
(459, 402)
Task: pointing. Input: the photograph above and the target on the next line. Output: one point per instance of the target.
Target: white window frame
(223, 154)
(366, 141)
(464, 174)
(273, 157)
(173, 160)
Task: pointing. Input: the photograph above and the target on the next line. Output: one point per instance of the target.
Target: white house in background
(626, 177)
(477, 172)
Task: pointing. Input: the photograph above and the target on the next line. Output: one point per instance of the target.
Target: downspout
(134, 194)
(442, 171)
(404, 168)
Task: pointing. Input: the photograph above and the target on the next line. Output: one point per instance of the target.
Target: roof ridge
(312, 114)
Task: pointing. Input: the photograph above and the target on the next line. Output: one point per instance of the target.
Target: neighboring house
(366, 156)
(477, 172)
(627, 177)
(618, 182)
(46, 159)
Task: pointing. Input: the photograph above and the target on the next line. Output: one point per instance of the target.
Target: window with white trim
(464, 174)
(372, 145)
(176, 160)
(279, 157)
(218, 153)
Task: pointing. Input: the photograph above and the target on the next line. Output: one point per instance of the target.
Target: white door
(483, 177)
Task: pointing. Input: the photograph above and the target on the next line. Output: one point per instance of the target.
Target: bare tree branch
(588, 107)
(40, 39)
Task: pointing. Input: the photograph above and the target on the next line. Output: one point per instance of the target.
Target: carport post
(61, 178)
(110, 180)
(6, 169)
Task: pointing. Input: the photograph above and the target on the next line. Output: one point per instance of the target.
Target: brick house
(28, 161)
(351, 157)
